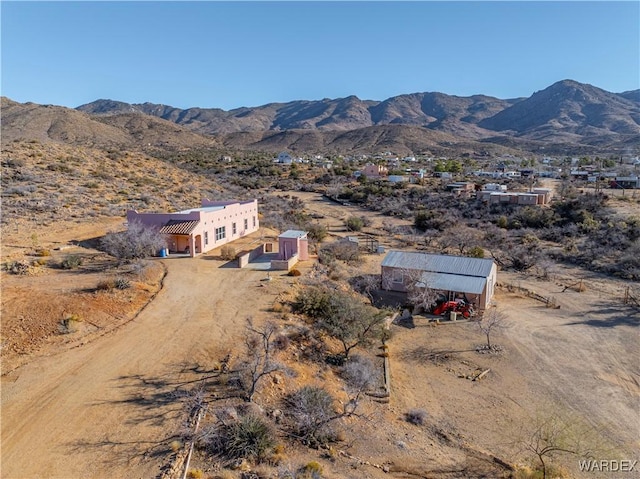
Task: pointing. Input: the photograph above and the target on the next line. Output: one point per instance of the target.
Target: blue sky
(227, 55)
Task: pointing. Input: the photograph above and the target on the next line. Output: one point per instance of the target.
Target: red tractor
(459, 306)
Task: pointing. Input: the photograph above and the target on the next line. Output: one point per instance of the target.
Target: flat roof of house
(204, 209)
(293, 234)
(439, 263)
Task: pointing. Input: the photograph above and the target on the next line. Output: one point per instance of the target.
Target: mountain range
(567, 116)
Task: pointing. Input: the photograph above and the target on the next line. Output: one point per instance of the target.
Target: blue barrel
(163, 253)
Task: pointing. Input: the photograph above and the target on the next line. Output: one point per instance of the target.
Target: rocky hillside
(567, 112)
(566, 118)
(46, 123)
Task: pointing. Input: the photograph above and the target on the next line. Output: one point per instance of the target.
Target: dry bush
(249, 437)
(195, 474)
(310, 415)
(73, 261)
(281, 342)
(17, 267)
(70, 324)
(228, 253)
(106, 285)
(360, 374)
(416, 416)
(114, 283)
(138, 241)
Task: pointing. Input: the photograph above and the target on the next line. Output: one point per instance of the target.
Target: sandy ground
(109, 409)
(105, 409)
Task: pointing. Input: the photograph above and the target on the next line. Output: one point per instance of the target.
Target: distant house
(198, 230)
(538, 196)
(455, 276)
(494, 187)
(374, 171)
(284, 158)
(625, 182)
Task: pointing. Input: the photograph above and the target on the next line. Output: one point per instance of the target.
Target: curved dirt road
(108, 408)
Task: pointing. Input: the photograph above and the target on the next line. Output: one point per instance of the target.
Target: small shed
(291, 243)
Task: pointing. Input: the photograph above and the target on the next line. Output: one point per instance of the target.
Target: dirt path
(583, 355)
(106, 409)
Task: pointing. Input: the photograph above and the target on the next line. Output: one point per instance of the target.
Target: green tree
(351, 322)
(317, 232)
(354, 223)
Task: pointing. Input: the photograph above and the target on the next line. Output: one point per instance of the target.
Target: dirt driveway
(584, 355)
(106, 409)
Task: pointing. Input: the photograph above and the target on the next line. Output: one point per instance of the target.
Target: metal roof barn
(452, 282)
(439, 263)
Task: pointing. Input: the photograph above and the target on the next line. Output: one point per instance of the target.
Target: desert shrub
(317, 232)
(106, 285)
(249, 437)
(294, 272)
(476, 252)
(122, 283)
(43, 252)
(69, 324)
(416, 416)
(228, 253)
(138, 241)
(281, 342)
(310, 414)
(360, 373)
(313, 302)
(17, 267)
(114, 283)
(354, 223)
(73, 261)
(195, 474)
(40, 262)
(340, 250)
(430, 220)
(312, 469)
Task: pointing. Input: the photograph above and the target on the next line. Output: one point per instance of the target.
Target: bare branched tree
(138, 241)
(492, 320)
(419, 292)
(461, 237)
(360, 375)
(367, 284)
(553, 433)
(259, 362)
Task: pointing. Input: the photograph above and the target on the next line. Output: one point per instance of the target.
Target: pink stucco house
(374, 171)
(198, 230)
(293, 242)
